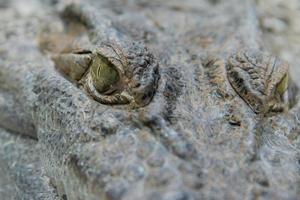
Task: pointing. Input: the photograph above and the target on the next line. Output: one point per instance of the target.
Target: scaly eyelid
(72, 64)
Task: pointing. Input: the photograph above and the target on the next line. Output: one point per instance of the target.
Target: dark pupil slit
(83, 52)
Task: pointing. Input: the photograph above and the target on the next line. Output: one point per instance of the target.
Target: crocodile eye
(283, 85)
(104, 74)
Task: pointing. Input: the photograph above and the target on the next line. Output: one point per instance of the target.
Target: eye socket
(283, 85)
(104, 74)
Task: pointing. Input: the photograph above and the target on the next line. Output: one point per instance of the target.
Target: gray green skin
(111, 71)
(260, 79)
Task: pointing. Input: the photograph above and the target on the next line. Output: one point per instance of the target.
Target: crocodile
(112, 71)
(196, 135)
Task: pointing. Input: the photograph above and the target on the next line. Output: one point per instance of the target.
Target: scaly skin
(260, 79)
(196, 139)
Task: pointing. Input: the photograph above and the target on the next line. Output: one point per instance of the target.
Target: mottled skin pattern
(260, 79)
(196, 138)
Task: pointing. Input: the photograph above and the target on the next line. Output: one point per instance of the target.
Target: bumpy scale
(261, 80)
